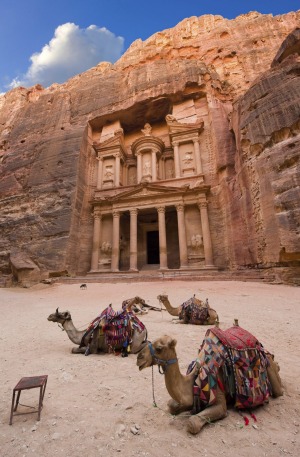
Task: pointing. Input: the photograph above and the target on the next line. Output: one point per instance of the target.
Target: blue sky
(50, 41)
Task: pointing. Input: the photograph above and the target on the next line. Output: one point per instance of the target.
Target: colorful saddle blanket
(193, 311)
(117, 327)
(243, 362)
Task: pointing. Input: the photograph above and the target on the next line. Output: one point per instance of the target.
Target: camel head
(161, 352)
(162, 298)
(59, 317)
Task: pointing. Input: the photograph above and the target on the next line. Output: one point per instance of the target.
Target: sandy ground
(93, 404)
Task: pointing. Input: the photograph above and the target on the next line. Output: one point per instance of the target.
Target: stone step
(154, 275)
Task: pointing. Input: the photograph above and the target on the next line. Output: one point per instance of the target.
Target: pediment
(179, 127)
(146, 190)
(114, 142)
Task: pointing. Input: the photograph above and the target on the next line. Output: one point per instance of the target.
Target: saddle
(116, 326)
(243, 362)
(194, 311)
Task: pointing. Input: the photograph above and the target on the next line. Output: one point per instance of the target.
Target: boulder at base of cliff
(25, 271)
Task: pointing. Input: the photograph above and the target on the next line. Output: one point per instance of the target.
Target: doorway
(153, 247)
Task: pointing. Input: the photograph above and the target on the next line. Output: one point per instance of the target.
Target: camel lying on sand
(100, 337)
(193, 311)
(212, 380)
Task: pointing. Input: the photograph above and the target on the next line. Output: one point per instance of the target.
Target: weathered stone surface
(199, 69)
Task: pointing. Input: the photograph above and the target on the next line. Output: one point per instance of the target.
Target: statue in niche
(188, 158)
(196, 241)
(108, 175)
(170, 171)
(106, 247)
(147, 130)
(147, 167)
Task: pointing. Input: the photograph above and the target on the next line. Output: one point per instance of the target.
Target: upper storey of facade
(169, 149)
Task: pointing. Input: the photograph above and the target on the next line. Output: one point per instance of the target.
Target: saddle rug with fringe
(194, 311)
(117, 327)
(243, 362)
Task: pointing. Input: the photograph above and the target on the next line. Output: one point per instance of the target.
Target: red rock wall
(47, 176)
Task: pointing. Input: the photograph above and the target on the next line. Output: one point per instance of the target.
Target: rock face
(237, 82)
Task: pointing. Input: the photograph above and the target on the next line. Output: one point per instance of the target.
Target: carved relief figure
(170, 118)
(147, 167)
(169, 170)
(196, 241)
(147, 130)
(106, 247)
(108, 174)
(188, 158)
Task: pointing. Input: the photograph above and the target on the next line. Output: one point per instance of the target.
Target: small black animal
(83, 286)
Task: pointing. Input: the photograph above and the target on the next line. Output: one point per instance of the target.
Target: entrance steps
(169, 275)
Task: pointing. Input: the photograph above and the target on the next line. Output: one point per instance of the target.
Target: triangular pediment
(146, 190)
(178, 127)
(116, 141)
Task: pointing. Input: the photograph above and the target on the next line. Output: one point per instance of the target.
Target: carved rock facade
(178, 157)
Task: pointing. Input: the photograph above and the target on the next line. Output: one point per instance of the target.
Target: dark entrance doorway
(153, 247)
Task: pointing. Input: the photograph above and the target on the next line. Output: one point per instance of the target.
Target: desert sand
(102, 405)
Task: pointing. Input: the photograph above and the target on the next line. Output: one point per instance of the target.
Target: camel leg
(210, 414)
(78, 350)
(176, 408)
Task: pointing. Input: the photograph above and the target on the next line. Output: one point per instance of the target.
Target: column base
(133, 269)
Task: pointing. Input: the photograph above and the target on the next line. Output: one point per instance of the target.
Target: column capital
(202, 204)
(196, 140)
(116, 213)
(97, 214)
(117, 154)
(133, 211)
(99, 158)
(161, 209)
(179, 207)
(175, 143)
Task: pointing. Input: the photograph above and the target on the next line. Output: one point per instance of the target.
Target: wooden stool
(26, 384)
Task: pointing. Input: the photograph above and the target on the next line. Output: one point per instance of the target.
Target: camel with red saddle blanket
(232, 367)
(111, 331)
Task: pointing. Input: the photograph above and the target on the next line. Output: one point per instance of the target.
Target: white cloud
(71, 51)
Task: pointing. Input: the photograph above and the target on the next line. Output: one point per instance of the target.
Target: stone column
(206, 234)
(162, 238)
(182, 236)
(198, 157)
(117, 170)
(139, 167)
(176, 159)
(125, 175)
(153, 165)
(115, 254)
(96, 240)
(100, 172)
(133, 239)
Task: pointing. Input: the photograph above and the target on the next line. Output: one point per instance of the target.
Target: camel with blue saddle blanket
(232, 367)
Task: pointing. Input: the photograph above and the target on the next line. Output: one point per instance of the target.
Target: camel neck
(180, 387)
(74, 334)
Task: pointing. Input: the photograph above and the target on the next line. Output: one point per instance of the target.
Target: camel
(193, 311)
(92, 342)
(210, 404)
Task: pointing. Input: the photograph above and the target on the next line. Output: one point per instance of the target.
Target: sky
(45, 42)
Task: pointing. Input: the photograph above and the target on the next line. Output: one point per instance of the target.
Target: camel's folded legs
(209, 414)
(177, 408)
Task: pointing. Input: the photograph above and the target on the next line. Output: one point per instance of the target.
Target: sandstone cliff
(46, 136)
